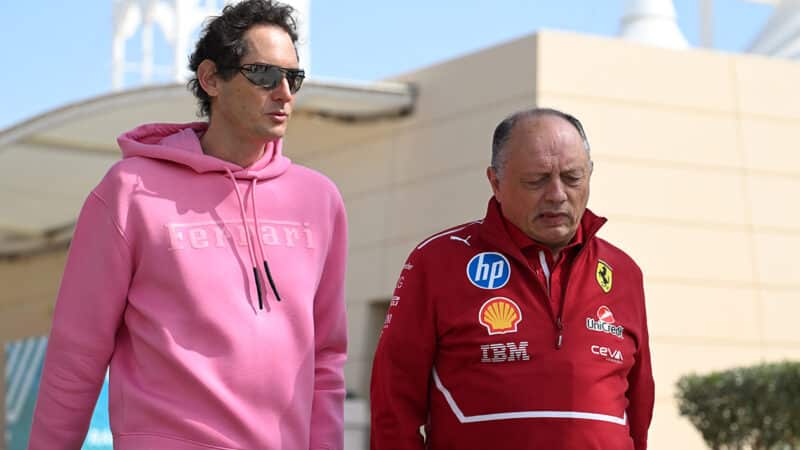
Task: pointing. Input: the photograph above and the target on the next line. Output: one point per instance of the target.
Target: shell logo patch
(605, 276)
(500, 315)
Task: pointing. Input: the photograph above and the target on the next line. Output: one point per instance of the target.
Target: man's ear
(494, 181)
(207, 77)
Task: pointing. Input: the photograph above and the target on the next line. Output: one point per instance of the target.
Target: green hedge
(754, 408)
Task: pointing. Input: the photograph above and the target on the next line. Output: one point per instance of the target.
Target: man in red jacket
(522, 330)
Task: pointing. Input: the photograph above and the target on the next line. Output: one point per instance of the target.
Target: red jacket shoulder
(442, 242)
(616, 257)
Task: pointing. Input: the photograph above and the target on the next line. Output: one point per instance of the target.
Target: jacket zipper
(560, 339)
(559, 324)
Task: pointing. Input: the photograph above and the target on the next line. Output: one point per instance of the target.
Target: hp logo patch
(489, 270)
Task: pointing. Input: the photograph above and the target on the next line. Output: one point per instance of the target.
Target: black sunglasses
(269, 76)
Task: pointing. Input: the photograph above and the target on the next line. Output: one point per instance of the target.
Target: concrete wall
(694, 167)
(29, 287)
(696, 170)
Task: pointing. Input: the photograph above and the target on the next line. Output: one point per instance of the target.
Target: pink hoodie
(160, 284)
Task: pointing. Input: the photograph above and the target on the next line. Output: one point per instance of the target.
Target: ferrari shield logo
(604, 276)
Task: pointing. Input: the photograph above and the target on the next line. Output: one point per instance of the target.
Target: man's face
(251, 111)
(543, 185)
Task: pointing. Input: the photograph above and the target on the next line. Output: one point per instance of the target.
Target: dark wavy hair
(222, 40)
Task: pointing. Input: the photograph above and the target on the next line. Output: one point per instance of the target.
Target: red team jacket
(475, 349)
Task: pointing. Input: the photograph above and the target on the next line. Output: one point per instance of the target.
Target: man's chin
(553, 236)
(273, 134)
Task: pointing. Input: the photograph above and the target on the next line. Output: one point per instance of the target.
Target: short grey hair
(502, 133)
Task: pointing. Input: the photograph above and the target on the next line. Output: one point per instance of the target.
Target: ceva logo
(608, 353)
(489, 270)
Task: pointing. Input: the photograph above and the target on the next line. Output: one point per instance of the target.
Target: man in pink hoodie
(207, 271)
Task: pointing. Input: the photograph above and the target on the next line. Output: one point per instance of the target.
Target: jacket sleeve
(641, 388)
(330, 343)
(88, 312)
(401, 371)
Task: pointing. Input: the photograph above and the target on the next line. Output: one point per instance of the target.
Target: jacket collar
(506, 237)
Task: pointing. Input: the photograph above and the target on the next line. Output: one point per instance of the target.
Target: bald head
(503, 131)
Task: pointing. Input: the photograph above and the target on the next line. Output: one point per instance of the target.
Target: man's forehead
(269, 44)
(547, 158)
(550, 149)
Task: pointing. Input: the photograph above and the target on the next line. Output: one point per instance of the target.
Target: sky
(56, 52)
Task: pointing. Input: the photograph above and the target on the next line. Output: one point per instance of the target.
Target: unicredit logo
(604, 322)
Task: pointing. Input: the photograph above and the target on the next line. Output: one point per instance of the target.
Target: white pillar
(117, 63)
(652, 22)
(303, 16)
(127, 16)
(147, 52)
(707, 23)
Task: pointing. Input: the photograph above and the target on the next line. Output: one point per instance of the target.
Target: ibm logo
(489, 270)
(508, 352)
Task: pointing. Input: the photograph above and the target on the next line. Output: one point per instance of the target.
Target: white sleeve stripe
(444, 234)
(522, 414)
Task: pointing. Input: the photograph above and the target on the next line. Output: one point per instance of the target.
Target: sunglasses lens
(295, 80)
(267, 77)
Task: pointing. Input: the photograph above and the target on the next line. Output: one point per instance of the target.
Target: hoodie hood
(180, 143)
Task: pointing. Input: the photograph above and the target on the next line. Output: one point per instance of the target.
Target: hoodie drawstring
(250, 247)
(261, 243)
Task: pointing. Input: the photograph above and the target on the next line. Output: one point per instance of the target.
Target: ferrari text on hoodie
(215, 293)
(492, 348)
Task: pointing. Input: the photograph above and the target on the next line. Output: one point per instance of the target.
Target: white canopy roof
(49, 163)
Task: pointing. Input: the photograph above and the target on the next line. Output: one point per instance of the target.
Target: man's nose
(281, 93)
(555, 191)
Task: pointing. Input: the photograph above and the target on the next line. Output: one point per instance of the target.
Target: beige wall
(695, 167)
(696, 170)
(29, 287)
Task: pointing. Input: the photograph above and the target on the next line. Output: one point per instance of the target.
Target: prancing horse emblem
(605, 276)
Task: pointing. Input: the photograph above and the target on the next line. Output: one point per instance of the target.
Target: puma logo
(464, 240)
